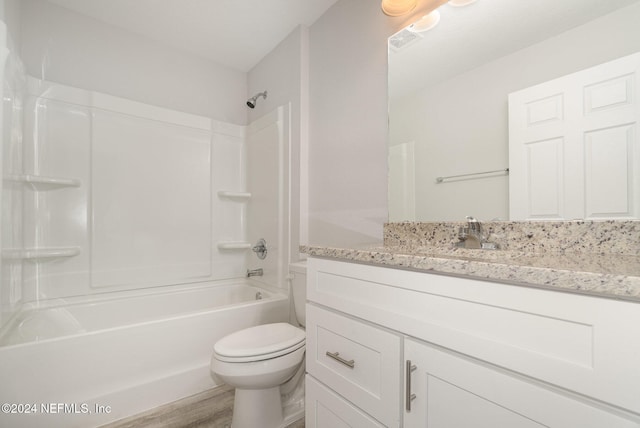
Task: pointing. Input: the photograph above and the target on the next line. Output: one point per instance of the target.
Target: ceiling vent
(403, 39)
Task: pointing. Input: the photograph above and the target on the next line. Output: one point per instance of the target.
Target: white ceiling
(234, 33)
(486, 30)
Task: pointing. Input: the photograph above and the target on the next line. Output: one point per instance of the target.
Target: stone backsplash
(593, 237)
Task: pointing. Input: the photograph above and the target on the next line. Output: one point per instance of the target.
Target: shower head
(251, 102)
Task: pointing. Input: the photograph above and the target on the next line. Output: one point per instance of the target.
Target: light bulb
(398, 7)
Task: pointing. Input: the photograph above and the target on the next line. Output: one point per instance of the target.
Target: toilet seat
(258, 343)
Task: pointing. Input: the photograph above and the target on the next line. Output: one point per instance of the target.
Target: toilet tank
(298, 272)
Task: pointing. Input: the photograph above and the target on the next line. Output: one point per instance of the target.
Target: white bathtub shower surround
(155, 348)
(142, 200)
(161, 172)
(268, 177)
(12, 72)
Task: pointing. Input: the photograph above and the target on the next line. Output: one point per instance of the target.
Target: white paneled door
(574, 145)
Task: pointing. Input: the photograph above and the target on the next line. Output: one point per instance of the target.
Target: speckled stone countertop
(597, 258)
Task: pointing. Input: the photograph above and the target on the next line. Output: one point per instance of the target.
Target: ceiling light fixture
(426, 23)
(398, 7)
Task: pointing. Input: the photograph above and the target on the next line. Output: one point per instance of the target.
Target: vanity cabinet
(438, 351)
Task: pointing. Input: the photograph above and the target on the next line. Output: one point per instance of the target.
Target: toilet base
(257, 408)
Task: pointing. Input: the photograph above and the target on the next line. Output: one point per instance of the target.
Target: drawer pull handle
(409, 397)
(336, 356)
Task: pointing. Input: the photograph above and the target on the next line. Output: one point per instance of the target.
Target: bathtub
(90, 361)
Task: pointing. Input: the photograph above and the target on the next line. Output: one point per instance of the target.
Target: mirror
(449, 86)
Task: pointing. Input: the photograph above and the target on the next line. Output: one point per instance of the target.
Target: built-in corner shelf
(234, 245)
(40, 253)
(240, 196)
(40, 182)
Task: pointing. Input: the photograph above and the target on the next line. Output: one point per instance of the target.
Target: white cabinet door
(449, 390)
(574, 145)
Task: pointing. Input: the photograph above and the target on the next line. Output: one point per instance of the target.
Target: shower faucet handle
(260, 249)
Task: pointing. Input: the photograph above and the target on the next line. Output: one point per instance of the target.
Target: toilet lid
(260, 342)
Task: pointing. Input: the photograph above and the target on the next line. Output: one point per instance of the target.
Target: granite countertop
(605, 275)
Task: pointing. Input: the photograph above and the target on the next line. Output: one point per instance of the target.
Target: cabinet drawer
(326, 409)
(359, 361)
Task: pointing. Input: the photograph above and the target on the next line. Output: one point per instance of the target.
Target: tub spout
(254, 272)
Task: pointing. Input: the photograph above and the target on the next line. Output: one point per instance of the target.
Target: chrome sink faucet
(472, 236)
(475, 228)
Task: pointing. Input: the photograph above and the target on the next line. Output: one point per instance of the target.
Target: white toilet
(264, 364)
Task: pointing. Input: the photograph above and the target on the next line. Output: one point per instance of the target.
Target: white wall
(434, 115)
(348, 121)
(66, 47)
(348, 124)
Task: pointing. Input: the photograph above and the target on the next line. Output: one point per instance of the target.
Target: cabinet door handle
(409, 397)
(336, 356)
